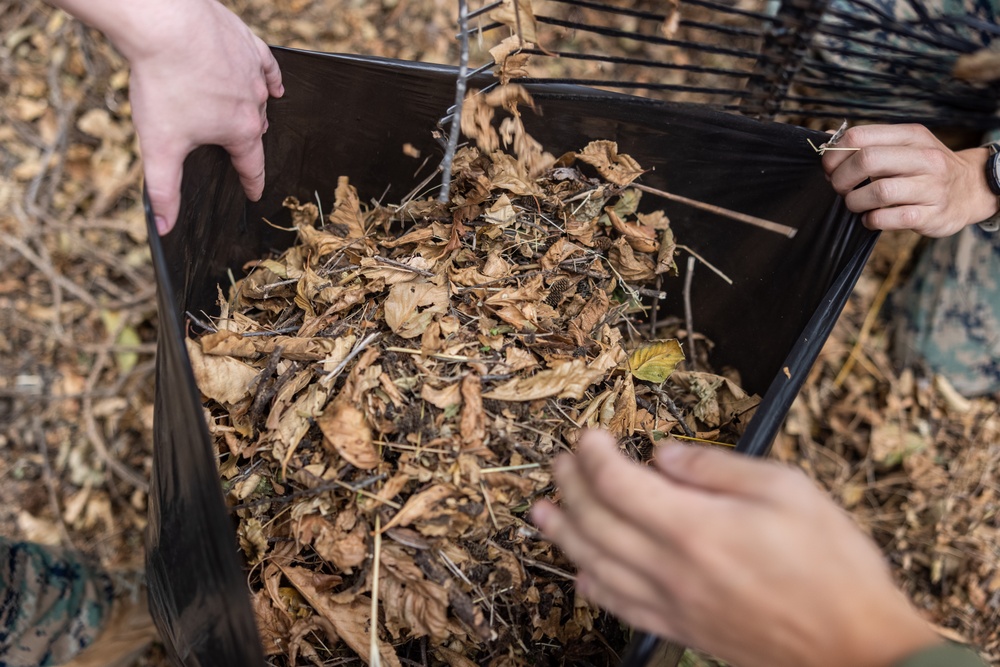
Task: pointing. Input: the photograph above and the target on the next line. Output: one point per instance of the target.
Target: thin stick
(489, 505)
(368, 340)
(672, 408)
(523, 466)
(548, 568)
(707, 442)
(902, 259)
(655, 309)
(403, 267)
(374, 656)
(714, 269)
(50, 482)
(688, 313)
(460, 85)
(775, 227)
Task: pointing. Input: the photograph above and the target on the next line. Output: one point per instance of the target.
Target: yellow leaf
(656, 360)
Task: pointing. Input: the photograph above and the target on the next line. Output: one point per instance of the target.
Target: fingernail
(538, 514)
(161, 225)
(281, 90)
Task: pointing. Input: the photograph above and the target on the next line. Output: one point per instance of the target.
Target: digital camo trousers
(52, 604)
(949, 312)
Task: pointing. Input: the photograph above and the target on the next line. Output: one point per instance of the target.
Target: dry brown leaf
(452, 658)
(232, 344)
(346, 431)
(633, 268)
(410, 600)
(567, 379)
(375, 270)
(410, 307)
(640, 237)
(672, 21)
(252, 540)
(473, 423)
(346, 213)
(622, 424)
(351, 620)
(341, 541)
(581, 327)
(443, 398)
(665, 262)
(558, 253)
(519, 17)
(419, 505)
(321, 242)
(222, 379)
(510, 63)
(272, 624)
(617, 168)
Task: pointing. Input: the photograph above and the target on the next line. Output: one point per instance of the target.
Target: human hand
(744, 559)
(916, 181)
(199, 76)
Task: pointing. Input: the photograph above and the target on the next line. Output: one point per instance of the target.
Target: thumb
(717, 471)
(164, 170)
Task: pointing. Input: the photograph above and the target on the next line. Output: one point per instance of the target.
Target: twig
(332, 485)
(689, 314)
(50, 482)
(489, 505)
(548, 568)
(714, 269)
(460, 85)
(902, 259)
(655, 310)
(672, 408)
(403, 267)
(93, 434)
(703, 440)
(374, 655)
(775, 227)
(523, 466)
(643, 291)
(204, 325)
(25, 251)
(365, 342)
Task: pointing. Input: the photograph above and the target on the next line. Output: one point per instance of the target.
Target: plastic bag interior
(348, 115)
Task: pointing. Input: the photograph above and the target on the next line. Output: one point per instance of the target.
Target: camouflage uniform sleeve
(52, 604)
(944, 655)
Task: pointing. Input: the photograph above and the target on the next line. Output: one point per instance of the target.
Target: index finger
(866, 136)
(637, 494)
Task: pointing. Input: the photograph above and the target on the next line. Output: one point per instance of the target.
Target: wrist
(983, 202)
(139, 29)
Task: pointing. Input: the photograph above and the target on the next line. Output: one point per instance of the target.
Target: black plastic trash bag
(345, 115)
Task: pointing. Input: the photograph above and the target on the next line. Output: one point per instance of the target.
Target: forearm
(135, 27)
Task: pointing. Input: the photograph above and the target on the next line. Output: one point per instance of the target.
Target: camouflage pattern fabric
(897, 55)
(947, 318)
(949, 312)
(52, 604)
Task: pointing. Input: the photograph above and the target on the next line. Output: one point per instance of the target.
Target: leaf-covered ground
(914, 465)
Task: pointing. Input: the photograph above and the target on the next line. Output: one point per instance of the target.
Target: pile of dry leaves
(389, 393)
